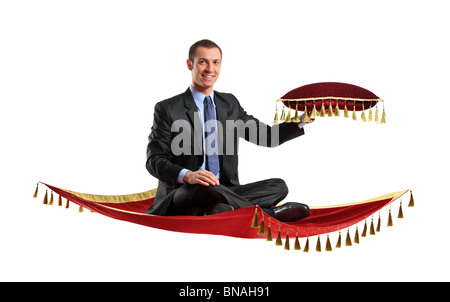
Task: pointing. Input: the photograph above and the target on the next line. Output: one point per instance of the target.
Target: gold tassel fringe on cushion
(330, 111)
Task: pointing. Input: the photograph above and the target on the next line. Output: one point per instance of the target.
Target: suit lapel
(190, 106)
(220, 108)
(193, 118)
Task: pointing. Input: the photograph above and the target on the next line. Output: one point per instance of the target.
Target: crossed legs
(265, 193)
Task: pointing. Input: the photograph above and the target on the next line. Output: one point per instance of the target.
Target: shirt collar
(199, 97)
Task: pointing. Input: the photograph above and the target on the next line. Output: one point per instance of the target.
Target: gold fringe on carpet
(328, 247)
(49, 200)
(259, 215)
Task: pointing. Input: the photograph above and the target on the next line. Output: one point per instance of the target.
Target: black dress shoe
(291, 211)
(218, 208)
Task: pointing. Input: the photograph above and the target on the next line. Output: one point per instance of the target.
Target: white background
(78, 83)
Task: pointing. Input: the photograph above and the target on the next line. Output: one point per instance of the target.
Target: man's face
(205, 68)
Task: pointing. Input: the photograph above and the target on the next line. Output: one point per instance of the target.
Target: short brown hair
(202, 43)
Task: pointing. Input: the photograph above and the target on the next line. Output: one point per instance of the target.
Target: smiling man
(204, 63)
(207, 182)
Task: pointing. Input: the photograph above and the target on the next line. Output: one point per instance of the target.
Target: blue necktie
(212, 158)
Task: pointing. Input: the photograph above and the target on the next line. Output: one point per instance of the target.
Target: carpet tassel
(286, 243)
(278, 241)
(411, 200)
(297, 246)
(348, 240)
(328, 247)
(400, 211)
(356, 238)
(255, 223)
(372, 227)
(390, 223)
(339, 241)
(379, 222)
(262, 227)
(51, 199)
(318, 245)
(45, 198)
(269, 234)
(364, 232)
(306, 249)
(36, 191)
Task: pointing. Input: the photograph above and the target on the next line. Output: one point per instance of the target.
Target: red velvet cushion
(329, 92)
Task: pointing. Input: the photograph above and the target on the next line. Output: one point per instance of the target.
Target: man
(196, 160)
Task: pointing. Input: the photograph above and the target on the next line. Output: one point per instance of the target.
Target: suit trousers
(265, 193)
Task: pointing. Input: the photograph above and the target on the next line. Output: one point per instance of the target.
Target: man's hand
(202, 177)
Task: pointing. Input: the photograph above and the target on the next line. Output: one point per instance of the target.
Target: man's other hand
(202, 177)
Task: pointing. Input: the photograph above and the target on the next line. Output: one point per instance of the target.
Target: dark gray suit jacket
(163, 164)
